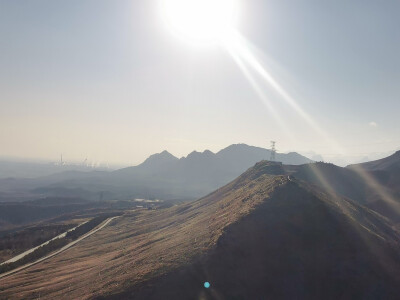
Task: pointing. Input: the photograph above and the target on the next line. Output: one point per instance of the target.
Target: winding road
(101, 226)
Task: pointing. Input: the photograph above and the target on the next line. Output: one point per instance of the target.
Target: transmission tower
(273, 151)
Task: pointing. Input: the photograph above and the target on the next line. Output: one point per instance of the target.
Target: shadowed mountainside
(370, 184)
(261, 235)
(386, 171)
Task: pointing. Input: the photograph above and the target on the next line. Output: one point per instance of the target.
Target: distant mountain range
(162, 176)
(200, 172)
(375, 184)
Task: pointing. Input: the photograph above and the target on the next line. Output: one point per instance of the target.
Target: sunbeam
(239, 50)
(377, 187)
(237, 44)
(349, 208)
(260, 93)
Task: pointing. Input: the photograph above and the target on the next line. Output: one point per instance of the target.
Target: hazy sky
(105, 80)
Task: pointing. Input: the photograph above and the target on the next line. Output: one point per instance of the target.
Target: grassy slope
(296, 245)
(142, 245)
(258, 235)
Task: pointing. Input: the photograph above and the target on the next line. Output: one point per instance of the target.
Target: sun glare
(200, 21)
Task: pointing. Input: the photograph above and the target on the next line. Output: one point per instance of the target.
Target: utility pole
(273, 151)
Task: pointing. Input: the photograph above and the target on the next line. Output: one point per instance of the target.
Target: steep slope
(141, 245)
(261, 236)
(374, 184)
(295, 246)
(385, 172)
(329, 176)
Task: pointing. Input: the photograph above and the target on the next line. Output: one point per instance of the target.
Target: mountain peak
(237, 146)
(205, 154)
(165, 152)
(265, 167)
(193, 153)
(208, 152)
(164, 156)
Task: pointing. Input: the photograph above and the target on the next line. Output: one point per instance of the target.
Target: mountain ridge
(389, 162)
(260, 234)
(231, 150)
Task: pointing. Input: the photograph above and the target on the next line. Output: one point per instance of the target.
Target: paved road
(104, 224)
(18, 257)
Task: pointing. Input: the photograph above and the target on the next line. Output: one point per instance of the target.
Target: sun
(201, 21)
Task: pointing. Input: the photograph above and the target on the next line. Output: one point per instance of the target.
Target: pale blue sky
(106, 80)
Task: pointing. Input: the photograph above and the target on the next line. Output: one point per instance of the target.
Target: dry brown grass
(141, 245)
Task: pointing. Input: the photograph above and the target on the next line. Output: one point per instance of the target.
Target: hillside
(375, 184)
(262, 235)
(386, 171)
(333, 178)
